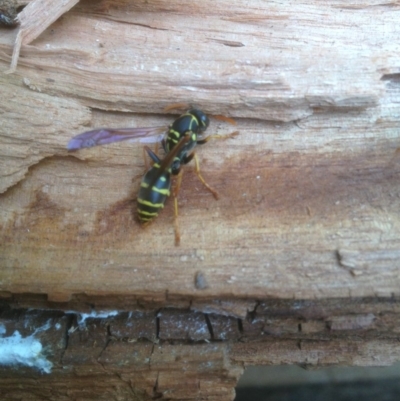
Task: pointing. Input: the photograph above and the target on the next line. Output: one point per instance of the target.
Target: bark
(184, 354)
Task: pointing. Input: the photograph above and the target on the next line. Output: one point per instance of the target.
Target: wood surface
(309, 190)
(33, 20)
(175, 354)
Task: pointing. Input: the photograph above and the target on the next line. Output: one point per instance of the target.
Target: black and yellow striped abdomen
(153, 193)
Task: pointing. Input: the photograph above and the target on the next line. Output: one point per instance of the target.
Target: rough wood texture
(186, 355)
(34, 19)
(309, 191)
(309, 203)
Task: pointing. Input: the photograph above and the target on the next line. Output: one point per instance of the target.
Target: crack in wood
(156, 394)
(240, 326)
(209, 325)
(68, 327)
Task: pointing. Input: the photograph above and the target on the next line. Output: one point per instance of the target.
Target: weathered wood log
(309, 191)
(184, 354)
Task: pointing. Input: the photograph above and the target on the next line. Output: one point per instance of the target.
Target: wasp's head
(202, 119)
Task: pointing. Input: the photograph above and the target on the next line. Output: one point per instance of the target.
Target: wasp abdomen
(151, 197)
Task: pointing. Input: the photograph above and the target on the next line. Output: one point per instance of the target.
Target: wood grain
(33, 20)
(309, 190)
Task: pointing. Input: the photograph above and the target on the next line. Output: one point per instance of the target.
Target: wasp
(155, 186)
(178, 141)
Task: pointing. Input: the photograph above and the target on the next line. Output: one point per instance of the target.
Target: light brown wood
(33, 20)
(309, 191)
(309, 203)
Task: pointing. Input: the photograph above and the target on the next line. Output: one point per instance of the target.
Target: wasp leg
(197, 170)
(153, 156)
(175, 195)
(217, 136)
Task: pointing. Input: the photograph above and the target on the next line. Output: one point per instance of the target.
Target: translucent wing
(103, 136)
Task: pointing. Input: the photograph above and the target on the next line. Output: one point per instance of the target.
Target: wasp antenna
(232, 134)
(225, 118)
(177, 106)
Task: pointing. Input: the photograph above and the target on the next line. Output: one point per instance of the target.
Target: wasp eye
(202, 119)
(205, 121)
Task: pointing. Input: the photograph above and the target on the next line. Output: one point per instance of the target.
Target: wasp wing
(169, 158)
(103, 136)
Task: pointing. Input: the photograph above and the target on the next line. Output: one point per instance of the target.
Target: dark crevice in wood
(156, 394)
(209, 325)
(240, 326)
(70, 322)
(108, 341)
(252, 313)
(395, 78)
(157, 326)
(280, 319)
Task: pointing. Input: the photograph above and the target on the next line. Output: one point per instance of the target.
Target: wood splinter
(37, 16)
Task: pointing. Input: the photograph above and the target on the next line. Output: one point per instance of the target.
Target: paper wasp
(178, 141)
(156, 184)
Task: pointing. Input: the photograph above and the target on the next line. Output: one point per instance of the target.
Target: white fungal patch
(16, 350)
(94, 315)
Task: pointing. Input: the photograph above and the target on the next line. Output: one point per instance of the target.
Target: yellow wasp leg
(202, 141)
(213, 191)
(175, 195)
(217, 136)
